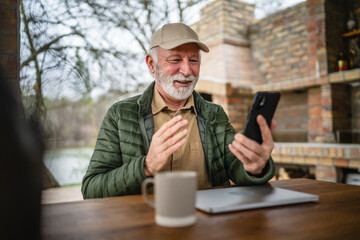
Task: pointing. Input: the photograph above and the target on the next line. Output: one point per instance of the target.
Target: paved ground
(62, 194)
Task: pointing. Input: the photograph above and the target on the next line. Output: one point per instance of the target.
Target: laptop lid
(242, 198)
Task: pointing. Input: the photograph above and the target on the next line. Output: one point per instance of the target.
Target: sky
(259, 13)
(285, 4)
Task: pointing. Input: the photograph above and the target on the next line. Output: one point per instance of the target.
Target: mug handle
(145, 193)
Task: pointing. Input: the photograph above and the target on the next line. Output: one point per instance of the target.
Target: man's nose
(185, 68)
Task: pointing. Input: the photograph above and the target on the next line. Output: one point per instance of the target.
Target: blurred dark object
(21, 153)
(354, 53)
(341, 62)
(289, 171)
(351, 22)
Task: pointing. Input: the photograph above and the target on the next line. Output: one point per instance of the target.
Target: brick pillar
(237, 105)
(236, 102)
(9, 43)
(320, 111)
(224, 26)
(317, 60)
(315, 114)
(227, 70)
(327, 114)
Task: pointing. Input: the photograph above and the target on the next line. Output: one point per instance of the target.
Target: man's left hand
(253, 155)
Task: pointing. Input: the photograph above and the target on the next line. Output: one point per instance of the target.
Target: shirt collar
(158, 103)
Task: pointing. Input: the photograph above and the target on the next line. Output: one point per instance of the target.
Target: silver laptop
(242, 198)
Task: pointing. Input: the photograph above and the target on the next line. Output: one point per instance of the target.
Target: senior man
(171, 127)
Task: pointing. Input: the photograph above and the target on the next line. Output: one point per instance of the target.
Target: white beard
(167, 83)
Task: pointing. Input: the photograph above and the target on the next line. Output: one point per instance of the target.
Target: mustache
(181, 78)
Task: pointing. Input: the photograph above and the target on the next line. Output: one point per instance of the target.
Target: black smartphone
(264, 103)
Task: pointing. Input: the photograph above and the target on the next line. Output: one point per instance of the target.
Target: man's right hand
(164, 143)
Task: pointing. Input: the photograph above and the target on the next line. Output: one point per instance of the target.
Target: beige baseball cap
(173, 35)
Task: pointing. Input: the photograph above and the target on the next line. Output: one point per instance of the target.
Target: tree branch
(45, 47)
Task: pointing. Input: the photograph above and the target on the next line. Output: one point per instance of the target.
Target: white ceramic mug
(175, 194)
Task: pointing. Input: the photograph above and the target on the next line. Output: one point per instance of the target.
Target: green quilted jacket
(117, 164)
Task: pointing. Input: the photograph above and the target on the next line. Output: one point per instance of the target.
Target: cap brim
(176, 43)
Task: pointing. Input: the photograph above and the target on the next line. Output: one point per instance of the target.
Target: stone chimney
(227, 71)
(225, 27)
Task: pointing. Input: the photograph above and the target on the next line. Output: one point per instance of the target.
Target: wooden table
(335, 216)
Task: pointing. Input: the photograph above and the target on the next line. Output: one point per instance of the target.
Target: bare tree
(140, 18)
(80, 45)
(54, 37)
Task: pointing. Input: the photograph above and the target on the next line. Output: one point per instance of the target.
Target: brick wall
(235, 101)
(9, 42)
(227, 71)
(292, 117)
(237, 105)
(286, 51)
(224, 19)
(224, 26)
(293, 51)
(279, 44)
(279, 54)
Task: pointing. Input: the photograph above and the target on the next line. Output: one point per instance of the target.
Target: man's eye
(194, 60)
(175, 60)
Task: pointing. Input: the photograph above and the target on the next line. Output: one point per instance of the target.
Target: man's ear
(151, 63)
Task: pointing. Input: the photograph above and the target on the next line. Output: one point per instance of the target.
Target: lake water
(68, 166)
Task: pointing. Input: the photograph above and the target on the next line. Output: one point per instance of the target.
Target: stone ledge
(291, 84)
(220, 88)
(316, 161)
(335, 155)
(334, 150)
(300, 83)
(345, 76)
